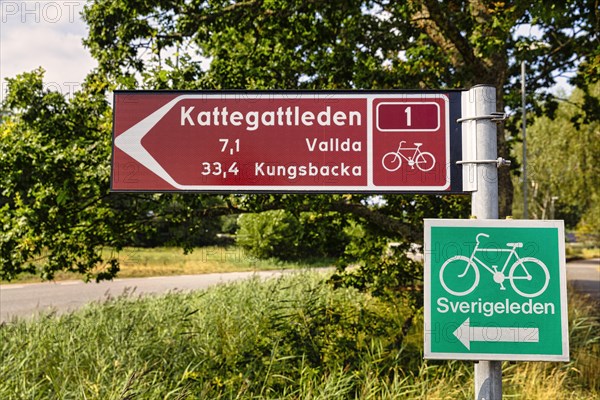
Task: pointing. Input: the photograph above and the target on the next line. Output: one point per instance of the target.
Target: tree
(260, 44)
(344, 44)
(56, 210)
(280, 234)
(562, 154)
(268, 44)
(54, 174)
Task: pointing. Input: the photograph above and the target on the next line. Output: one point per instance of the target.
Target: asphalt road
(28, 300)
(584, 276)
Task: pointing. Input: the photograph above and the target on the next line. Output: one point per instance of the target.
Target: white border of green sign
(487, 306)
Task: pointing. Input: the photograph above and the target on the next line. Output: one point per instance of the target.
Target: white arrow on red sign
(130, 142)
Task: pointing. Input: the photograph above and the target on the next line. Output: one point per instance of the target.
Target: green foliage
(261, 44)
(382, 267)
(280, 234)
(562, 164)
(250, 339)
(54, 177)
(348, 44)
(56, 211)
(186, 221)
(323, 234)
(384, 260)
(269, 234)
(56, 203)
(291, 338)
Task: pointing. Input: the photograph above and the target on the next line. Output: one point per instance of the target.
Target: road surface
(584, 276)
(28, 300)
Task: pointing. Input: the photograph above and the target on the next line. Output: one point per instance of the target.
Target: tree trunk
(481, 61)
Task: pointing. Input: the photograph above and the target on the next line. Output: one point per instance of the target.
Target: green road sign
(495, 290)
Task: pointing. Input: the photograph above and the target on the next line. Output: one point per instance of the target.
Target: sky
(44, 34)
(49, 33)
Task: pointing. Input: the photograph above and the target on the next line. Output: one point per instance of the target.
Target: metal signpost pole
(521, 312)
(484, 205)
(524, 129)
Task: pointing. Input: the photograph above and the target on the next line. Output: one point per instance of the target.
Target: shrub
(269, 234)
(280, 234)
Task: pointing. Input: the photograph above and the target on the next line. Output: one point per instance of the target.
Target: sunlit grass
(164, 261)
(577, 250)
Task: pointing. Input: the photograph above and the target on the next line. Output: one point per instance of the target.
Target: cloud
(46, 34)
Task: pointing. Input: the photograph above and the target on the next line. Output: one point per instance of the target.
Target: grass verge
(164, 261)
(288, 338)
(581, 251)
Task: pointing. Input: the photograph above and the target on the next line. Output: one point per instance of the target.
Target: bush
(323, 235)
(269, 234)
(280, 234)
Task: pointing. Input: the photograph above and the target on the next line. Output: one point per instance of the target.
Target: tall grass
(287, 338)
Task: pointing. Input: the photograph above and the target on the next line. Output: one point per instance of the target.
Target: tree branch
(213, 16)
(379, 219)
(436, 25)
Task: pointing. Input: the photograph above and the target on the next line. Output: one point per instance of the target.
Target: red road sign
(286, 141)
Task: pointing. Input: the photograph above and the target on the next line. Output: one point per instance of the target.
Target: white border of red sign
(130, 141)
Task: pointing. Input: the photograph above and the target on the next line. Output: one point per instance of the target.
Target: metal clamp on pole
(500, 162)
(495, 117)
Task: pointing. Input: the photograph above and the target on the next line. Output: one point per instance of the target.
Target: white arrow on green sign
(467, 334)
(495, 290)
